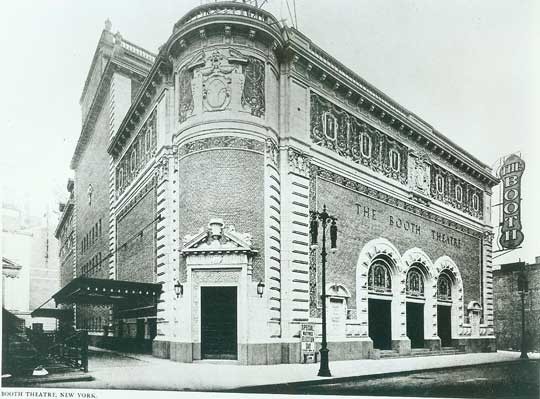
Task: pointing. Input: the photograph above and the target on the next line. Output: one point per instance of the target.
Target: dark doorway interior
(444, 324)
(415, 324)
(380, 323)
(139, 333)
(218, 323)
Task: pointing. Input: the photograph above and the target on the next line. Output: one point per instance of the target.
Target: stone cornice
(253, 20)
(116, 63)
(309, 60)
(161, 68)
(68, 210)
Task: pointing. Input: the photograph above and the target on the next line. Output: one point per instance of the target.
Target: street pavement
(516, 379)
(113, 370)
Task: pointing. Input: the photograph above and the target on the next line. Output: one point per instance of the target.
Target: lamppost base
(324, 370)
(524, 355)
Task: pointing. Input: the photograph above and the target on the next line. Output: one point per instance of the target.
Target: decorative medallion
(419, 172)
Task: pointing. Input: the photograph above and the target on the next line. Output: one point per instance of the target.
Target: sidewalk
(112, 370)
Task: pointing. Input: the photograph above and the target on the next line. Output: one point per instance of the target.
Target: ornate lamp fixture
(325, 219)
(178, 289)
(260, 289)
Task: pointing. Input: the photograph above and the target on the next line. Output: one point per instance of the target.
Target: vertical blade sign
(510, 173)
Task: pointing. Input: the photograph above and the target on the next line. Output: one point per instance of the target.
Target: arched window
(444, 288)
(366, 145)
(459, 193)
(440, 184)
(379, 279)
(475, 201)
(394, 160)
(415, 282)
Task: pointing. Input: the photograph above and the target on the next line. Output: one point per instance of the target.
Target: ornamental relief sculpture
(419, 172)
(352, 138)
(221, 79)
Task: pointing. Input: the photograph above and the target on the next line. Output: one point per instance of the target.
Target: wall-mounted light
(178, 289)
(260, 289)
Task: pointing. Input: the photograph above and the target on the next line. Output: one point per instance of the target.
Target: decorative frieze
(352, 138)
(141, 150)
(232, 142)
(456, 192)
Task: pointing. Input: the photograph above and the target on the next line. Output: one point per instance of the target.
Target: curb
(334, 380)
(27, 381)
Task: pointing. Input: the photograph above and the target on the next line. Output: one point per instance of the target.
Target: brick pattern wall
(93, 169)
(136, 231)
(227, 184)
(508, 309)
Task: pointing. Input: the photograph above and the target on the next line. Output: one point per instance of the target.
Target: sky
(466, 67)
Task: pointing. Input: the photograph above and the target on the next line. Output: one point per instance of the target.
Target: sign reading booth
(510, 173)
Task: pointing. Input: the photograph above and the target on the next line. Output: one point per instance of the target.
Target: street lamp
(325, 219)
(523, 289)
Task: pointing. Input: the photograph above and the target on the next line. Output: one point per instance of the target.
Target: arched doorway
(444, 308)
(380, 302)
(415, 291)
(450, 307)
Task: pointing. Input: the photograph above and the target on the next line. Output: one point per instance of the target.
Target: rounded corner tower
(223, 192)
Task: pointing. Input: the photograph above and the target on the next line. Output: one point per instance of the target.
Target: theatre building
(195, 175)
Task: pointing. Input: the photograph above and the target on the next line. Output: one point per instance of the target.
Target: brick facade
(362, 218)
(227, 184)
(508, 307)
(136, 234)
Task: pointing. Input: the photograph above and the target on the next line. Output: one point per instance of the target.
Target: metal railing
(70, 350)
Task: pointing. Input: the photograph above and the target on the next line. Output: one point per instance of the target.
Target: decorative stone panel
(446, 187)
(352, 138)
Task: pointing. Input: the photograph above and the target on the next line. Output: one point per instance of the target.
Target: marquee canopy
(95, 291)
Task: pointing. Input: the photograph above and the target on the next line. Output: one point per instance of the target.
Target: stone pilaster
(487, 280)
(166, 240)
(295, 240)
(272, 189)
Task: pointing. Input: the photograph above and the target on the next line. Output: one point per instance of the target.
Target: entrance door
(380, 323)
(218, 323)
(140, 333)
(444, 324)
(415, 324)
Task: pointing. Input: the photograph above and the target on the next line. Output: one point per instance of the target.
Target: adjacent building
(30, 264)
(508, 305)
(195, 174)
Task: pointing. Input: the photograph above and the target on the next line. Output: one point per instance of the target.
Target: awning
(95, 291)
(53, 313)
